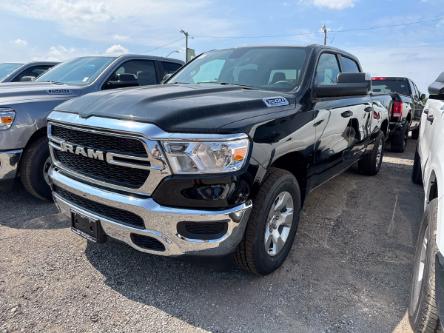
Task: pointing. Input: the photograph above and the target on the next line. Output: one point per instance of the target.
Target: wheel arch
(296, 163)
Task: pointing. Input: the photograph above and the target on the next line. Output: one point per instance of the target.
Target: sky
(390, 37)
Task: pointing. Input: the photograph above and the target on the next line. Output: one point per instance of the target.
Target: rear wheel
(416, 171)
(423, 314)
(34, 169)
(370, 163)
(272, 224)
(399, 139)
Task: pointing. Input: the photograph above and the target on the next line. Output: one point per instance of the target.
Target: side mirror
(437, 87)
(166, 77)
(349, 84)
(28, 78)
(423, 97)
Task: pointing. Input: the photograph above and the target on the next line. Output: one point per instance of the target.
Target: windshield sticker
(275, 101)
(59, 91)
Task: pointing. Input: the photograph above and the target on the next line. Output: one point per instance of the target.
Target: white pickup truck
(426, 308)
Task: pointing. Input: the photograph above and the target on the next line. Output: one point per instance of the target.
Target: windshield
(271, 68)
(79, 71)
(6, 69)
(390, 86)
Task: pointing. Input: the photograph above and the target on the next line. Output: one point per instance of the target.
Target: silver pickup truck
(24, 107)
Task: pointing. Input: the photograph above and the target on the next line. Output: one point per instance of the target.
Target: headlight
(7, 117)
(206, 156)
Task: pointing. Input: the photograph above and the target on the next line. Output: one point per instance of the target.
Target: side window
(170, 67)
(34, 71)
(327, 70)
(133, 73)
(349, 65)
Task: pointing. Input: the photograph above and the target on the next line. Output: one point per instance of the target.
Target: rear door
(337, 127)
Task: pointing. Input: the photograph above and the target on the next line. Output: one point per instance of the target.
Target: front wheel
(272, 225)
(423, 313)
(34, 169)
(370, 163)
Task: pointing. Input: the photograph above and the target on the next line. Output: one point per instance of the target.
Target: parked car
(24, 108)
(426, 309)
(220, 158)
(406, 109)
(14, 72)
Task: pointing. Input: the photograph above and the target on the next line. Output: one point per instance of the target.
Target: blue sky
(62, 29)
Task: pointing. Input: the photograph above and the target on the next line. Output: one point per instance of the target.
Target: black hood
(175, 108)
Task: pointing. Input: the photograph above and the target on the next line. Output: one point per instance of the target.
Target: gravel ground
(349, 270)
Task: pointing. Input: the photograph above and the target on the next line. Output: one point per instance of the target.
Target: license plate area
(87, 227)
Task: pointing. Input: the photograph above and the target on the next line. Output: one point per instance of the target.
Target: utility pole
(186, 34)
(325, 31)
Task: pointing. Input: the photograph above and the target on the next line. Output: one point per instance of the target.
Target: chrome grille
(119, 161)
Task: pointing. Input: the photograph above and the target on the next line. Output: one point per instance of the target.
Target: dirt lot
(349, 270)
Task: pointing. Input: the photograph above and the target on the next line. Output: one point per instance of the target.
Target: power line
(165, 45)
(435, 19)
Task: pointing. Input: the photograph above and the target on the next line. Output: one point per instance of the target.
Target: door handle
(430, 118)
(426, 111)
(347, 114)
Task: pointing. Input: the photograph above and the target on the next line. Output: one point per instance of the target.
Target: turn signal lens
(7, 117)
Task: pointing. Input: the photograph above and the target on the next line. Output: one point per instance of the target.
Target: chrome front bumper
(9, 161)
(160, 222)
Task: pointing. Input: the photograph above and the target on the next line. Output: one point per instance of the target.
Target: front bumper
(160, 222)
(9, 161)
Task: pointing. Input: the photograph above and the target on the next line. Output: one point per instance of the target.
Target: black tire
(370, 163)
(32, 173)
(416, 171)
(415, 133)
(399, 140)
(423, 313)
(251, 254)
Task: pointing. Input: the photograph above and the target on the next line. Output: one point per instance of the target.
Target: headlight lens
(206, 156)
(7, 117)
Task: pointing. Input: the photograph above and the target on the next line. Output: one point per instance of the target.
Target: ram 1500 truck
(219, 159)
(13, 72)
(406, 108)
(24, 107)
(426, 308)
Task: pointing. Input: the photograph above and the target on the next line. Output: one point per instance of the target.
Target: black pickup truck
(405, 110)
(217, 161)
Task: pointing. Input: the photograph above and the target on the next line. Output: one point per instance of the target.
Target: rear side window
(327, 70)
(170, 67)
(349, 65)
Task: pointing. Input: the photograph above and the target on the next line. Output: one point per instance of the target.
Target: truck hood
(182, 107)
(37, 90)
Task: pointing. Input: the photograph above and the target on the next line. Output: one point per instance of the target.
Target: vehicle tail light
(397, 109)
(378, 78)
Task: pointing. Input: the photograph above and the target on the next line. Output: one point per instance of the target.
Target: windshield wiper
(228, 84)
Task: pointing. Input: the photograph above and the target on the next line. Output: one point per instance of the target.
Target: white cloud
(20, 42)
(143, 20)
(334, 4)
(116, 49)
